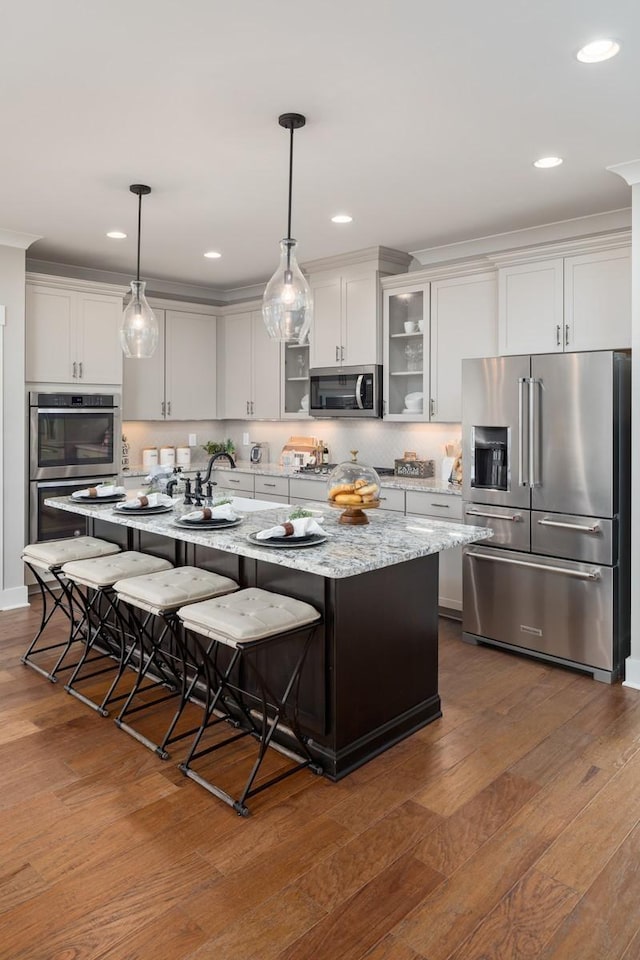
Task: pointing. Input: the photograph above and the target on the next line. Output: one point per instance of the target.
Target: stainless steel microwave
(345, 391)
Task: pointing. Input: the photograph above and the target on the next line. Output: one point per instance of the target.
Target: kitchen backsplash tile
(378, 443)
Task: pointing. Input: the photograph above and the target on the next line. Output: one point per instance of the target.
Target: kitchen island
(371, 677)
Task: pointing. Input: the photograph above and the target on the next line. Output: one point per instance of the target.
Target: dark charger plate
(142, 511)
(112, 498)
(311, 540)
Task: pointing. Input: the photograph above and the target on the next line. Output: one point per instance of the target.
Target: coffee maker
(259, 453)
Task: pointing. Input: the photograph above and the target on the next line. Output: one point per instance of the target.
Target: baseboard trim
(13, 598)
(631, 673)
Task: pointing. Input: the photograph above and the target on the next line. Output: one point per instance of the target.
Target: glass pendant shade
(139, 332)
(287, 303)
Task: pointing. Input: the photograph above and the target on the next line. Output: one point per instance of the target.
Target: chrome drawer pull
(577, 574)
(268, 484)
(583, 528)
(515, 518)
(440, 506)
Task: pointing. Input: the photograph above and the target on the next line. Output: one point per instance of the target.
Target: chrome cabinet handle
(75, 370)
(163, 407)
(253, 408)
(341, 353)
(440, 506)
(583, 528)
(231, 480)
(432, 408)
(169, 408)
(337, 353)
(514, 518)
(558, 337)
(247, 403)
(265, 484)
(80, 373)
(577, 574)
(566, 334)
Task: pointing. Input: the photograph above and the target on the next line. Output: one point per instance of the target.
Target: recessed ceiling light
(545, 162)
(341, 218)
(117, 235)
(213, 255)
(597, 51)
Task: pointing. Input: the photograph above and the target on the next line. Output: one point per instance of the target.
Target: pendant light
(287, 303)
(139, 331)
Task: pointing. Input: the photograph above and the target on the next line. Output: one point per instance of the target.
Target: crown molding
(567, 248)
(378, 255)
(442, 271)
(629, 171)
(11, 238)
(74, 283)
(598, 223)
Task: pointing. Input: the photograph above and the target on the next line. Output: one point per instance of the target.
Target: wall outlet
(245, 439)
(193, 440)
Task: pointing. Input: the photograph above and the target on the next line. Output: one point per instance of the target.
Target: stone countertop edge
(429, 485)
(349, 550)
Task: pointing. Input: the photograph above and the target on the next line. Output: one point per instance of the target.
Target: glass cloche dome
(353, 487)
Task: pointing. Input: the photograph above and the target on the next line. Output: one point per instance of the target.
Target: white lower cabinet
(442, 506)
(272, 487)
(392, 500)
(233, 480)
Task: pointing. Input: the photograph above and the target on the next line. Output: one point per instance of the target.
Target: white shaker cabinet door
(597, 304)
(361, 333)
(266, 371)
(143, 382)
(530, 307)
(190, 366)
(464, 324)
(235, 367)
(100, 354)
(50, 346)
(326, 331)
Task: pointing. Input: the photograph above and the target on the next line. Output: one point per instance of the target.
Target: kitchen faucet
(200, 480)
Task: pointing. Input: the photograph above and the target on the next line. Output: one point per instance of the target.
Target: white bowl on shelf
(413, 402)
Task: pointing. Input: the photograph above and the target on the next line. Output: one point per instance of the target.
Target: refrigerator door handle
(515, 517)
(593, 574)
(521, 442)
(583, 528)
(534, 427)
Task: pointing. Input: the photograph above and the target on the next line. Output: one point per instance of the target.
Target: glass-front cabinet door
(295, 389)
(406, 352)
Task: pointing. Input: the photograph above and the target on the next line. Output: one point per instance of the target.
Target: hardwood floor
(509, 830)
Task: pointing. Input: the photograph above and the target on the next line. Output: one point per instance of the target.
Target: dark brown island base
(371, 675)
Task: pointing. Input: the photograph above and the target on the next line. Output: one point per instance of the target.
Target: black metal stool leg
(50, 603)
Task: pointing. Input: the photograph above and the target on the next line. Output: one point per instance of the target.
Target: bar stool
(48, 558)
(102, 627)
(247, 622)
(160, 645)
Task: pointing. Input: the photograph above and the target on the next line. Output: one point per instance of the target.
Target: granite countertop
(430, 485)
(388, 539)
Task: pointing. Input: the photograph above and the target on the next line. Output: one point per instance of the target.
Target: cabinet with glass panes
(295, 392)
(406, 352)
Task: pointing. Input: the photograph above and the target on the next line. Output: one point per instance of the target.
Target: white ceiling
(423, 119)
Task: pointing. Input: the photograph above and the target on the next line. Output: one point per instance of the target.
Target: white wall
(13, 593)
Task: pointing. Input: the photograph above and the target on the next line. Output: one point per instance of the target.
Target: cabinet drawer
(273, 485)
(233, 480)
(391, 499)
(441, 505)
(308, 489)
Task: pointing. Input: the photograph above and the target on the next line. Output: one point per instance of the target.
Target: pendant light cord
(139, 229)
(290, 196)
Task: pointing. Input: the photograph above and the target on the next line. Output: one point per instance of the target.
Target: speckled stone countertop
(430, 485)
(388, 538)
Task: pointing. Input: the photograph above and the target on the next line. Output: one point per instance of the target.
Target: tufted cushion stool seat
(162, 654)
(48, 557)
(102, 626)
(254, 693)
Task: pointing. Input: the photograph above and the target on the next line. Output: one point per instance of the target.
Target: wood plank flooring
(507, 830)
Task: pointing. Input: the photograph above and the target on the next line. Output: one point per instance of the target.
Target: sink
(245, 505)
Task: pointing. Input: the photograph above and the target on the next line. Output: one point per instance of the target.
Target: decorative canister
(149, 457)
(167, 456)
(183, 456)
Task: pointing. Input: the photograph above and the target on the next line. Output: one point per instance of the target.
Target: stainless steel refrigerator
(546, 465)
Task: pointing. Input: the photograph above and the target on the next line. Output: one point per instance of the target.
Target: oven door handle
(77, 410)
(593, 574)
(73, 483)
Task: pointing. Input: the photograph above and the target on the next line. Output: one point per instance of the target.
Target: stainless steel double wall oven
(74, 441)
(546, 445)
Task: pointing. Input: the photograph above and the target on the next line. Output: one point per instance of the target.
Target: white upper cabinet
(530, 307)
(72, 336)
(249, 365)
(464, 324)
(347, 309)
(406, 351)
(597, 300)
(575, 302)
(190, 366)
(179, 381)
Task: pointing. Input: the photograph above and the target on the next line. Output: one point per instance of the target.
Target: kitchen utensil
(410, 326)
